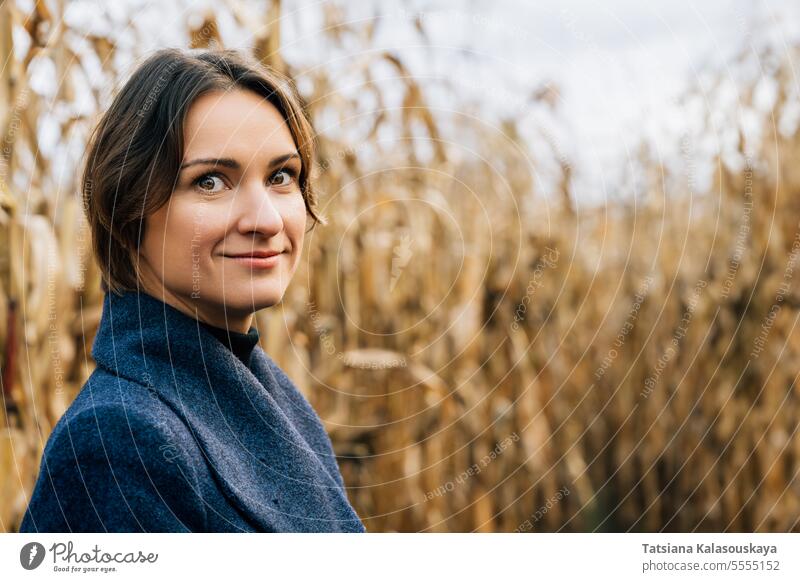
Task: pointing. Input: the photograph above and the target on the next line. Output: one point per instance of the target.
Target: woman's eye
(282, 178)
(209, 183)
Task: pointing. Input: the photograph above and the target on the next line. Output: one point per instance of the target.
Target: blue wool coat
(172, 432)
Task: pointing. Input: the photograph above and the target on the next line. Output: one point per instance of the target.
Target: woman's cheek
(188, 234)
(298, 221)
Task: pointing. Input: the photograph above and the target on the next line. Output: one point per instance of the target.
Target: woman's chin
(250, 302)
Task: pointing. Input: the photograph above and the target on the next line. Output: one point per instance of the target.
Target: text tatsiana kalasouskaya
(709, 549)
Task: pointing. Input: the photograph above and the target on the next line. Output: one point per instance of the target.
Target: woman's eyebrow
(233, 164)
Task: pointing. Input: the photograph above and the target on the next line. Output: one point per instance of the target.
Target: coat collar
(260, 437)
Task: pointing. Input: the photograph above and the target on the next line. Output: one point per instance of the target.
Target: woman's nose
(257, 211)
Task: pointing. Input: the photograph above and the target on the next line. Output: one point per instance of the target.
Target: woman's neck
(208, 314)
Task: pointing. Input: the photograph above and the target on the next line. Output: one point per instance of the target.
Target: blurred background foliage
(488, 354)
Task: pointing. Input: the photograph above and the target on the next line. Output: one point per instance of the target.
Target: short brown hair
(136, 149)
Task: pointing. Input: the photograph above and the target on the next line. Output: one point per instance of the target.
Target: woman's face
(237, 197)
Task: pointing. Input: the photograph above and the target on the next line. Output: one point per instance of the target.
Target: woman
(197, 190)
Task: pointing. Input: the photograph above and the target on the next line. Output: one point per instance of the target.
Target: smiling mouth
(256, 260)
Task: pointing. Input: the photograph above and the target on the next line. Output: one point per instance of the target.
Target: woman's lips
(257, 262)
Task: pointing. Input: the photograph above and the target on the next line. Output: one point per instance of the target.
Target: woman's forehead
(236, 121)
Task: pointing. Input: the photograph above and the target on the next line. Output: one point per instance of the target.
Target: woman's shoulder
(116, 418)
(117, 406)
(118, 460)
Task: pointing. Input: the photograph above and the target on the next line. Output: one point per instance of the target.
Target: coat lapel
(261, 438)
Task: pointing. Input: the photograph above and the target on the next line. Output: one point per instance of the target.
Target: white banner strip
(402, 557)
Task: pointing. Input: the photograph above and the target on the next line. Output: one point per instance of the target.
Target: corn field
(485, 356)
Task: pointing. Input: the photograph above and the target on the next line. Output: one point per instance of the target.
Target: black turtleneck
(241, 344)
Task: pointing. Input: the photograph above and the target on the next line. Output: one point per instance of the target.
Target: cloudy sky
(620, 65)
